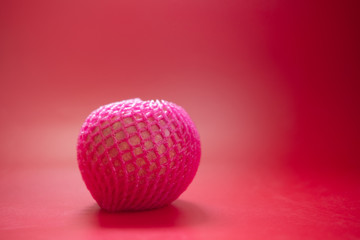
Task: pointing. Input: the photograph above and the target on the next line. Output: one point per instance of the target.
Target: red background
(272, 85)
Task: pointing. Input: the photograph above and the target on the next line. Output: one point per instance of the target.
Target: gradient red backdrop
(273, 87)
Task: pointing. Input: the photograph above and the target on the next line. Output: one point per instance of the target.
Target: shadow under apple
(179, 213)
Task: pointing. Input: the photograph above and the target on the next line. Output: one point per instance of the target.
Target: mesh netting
(136, 155)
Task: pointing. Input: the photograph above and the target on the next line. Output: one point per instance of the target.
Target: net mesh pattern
(136, 155)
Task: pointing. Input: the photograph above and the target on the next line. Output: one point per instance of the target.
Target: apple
(138, 155)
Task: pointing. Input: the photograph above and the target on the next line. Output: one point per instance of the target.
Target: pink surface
(235, 203)
(138, 155)
(272, 86)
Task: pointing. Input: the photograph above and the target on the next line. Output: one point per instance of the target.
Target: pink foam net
(136, 155)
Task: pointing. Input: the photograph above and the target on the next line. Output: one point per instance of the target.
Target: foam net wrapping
(137, 155)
